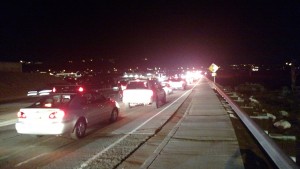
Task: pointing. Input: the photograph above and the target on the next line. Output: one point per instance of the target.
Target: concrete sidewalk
(204, 138)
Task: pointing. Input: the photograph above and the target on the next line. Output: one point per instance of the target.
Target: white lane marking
(8, 122)
(85, 164)
(33, 158)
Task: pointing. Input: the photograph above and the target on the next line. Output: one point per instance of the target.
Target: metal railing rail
(280, 159)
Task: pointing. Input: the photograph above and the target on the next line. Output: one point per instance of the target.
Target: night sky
(187, 33)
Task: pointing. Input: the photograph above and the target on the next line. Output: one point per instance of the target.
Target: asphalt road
(105, 146)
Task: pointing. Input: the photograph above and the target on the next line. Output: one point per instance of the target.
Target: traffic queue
(72, 108)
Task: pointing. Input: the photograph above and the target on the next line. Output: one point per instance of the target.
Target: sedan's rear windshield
(137, 85)
(52, 101)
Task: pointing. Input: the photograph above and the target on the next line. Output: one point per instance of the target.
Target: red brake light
(21, 115)
(54, 90)
(123, 87)
(80, 89)
(57, 115)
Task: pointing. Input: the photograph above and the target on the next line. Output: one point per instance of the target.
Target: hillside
(16, 85)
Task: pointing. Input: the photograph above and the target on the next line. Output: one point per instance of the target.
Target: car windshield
(53, 101)
(123, 82)
(137, 85)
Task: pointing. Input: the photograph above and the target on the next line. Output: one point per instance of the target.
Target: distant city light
(255, 68)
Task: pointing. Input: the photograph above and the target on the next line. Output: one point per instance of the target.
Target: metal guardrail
(280, 159)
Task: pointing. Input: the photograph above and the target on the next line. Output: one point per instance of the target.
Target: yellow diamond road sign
(213, 68)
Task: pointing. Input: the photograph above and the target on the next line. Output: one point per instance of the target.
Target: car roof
(74, 88)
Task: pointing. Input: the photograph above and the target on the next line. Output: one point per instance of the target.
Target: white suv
(144, 92)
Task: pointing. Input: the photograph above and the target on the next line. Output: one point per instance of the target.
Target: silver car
(70, 113)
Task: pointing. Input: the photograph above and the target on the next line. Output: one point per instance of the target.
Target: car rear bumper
(137, 100)
(177, 86)
(43, 128)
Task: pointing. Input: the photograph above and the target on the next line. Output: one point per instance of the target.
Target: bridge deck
(204, 138)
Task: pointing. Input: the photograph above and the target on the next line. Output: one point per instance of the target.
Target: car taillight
(21, 115)
(80, 89)
(123, 87)
(57, 115)
(54, 90)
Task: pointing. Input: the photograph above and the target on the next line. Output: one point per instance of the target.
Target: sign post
(213, 68)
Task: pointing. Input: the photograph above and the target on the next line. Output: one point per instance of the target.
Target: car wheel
(164, 100)
(79, 130)
(120, 96)
(128, 105)
(114, 115)
(157, 102)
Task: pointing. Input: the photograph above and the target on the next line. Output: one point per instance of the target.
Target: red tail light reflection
(80, 89)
